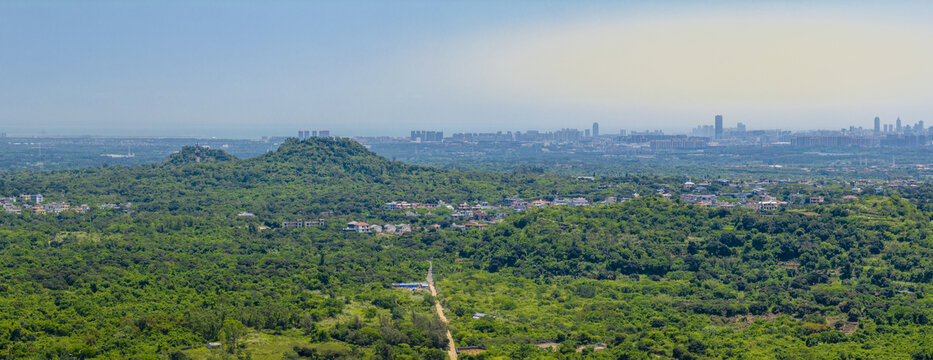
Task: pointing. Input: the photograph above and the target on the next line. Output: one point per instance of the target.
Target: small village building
(579, 201)
(768, 205)
(298, 224)
(410, 286)
(360, 227)
(37, 198)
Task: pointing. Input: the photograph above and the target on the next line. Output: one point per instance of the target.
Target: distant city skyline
(716, 125)
(367, 68)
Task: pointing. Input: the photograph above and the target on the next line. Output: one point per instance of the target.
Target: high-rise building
(740, 127)
(586, 133)
(718, 126)
(919, 126)
(324, 133)
(595, 129)
(877, 124)
(897, 126)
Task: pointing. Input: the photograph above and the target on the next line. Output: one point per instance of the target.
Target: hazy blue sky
(247, 69)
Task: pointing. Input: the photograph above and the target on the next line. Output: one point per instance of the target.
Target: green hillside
(177, 267)
(197, 154)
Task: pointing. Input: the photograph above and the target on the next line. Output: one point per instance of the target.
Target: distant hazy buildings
(307, 134)
(679, 142)
(425, 136)
(898, 134)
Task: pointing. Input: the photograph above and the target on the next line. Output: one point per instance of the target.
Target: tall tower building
(877, 124)
(897, 126)
(718, 126)
(595, 129)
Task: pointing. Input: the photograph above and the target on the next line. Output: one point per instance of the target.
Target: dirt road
(451, 347)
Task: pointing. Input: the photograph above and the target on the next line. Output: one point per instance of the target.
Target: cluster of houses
(37, 205)
(758, 198)
(9, 205)
(519, 205)
(476, 214)
(362, 227)
(480, 214)
(301, 223)
(480, 209)
(353, 226)
(47, 208)
(111, 206)
(404, 205)
(469, 225)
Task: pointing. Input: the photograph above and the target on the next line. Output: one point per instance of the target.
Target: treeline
(849, 273)
(300, 179)
(120, 286)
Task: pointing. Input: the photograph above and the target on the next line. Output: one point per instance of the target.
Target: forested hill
(196, 154)
(300, 178)
(333, 157)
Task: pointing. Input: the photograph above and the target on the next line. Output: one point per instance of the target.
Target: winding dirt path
(451, 347)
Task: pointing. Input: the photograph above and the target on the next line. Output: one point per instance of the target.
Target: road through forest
(451, 348)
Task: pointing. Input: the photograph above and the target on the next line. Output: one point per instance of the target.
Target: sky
(367, 68)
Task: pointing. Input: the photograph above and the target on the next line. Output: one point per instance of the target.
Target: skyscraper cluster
(898, 128)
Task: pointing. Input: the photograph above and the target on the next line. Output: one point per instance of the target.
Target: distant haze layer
(382, 68)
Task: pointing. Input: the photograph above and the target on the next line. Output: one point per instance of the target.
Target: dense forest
(647, 278)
